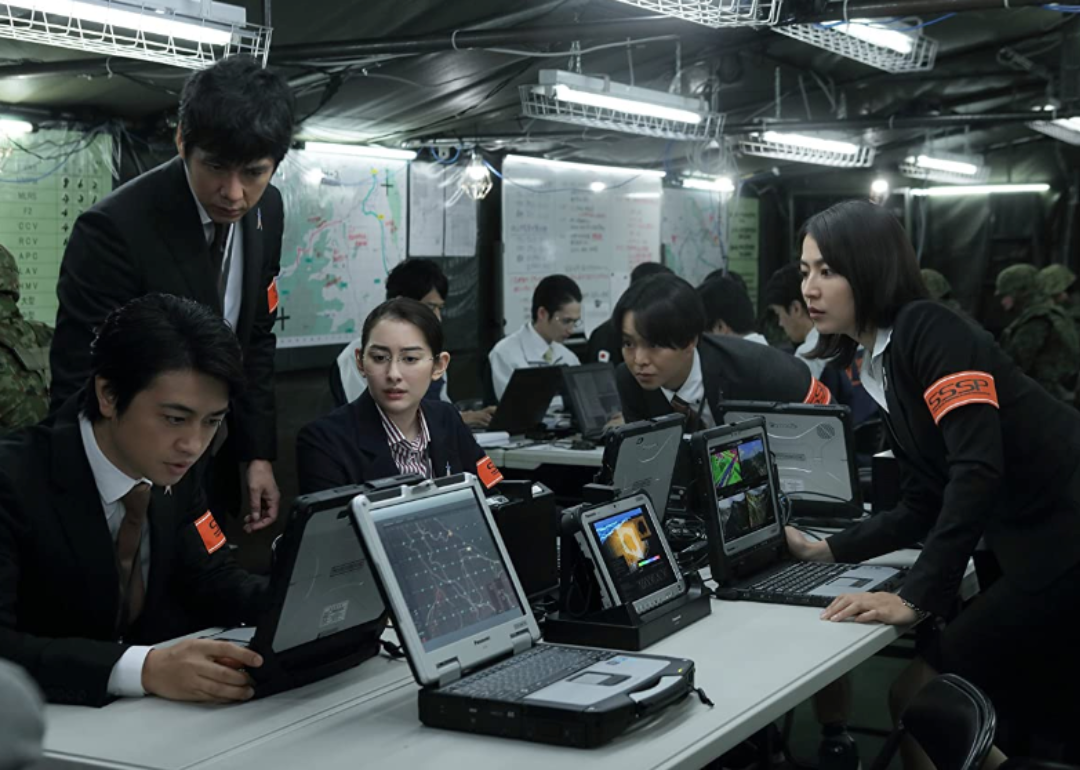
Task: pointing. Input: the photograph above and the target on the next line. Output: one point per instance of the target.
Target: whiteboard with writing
(592, 223)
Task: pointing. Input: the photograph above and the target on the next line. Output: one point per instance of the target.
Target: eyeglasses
(406, 360)
(568, 323)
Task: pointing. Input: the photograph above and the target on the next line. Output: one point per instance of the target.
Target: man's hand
(200, 670)
(804, 549)
(263, 495)
(615, 421)
(480, 418)
(870, 608)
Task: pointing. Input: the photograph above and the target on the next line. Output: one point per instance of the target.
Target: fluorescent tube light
(979, 189)
(811, 142)
(720, 184)
(565, 93)
(952, 166)
(11, 127)
(864, 29)
(112, 15)
(363, 150)
(586, 166)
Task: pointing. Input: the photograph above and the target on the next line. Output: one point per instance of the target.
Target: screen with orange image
(633, 554)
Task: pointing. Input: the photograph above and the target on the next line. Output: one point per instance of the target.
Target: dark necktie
(683, 408)
(219, 260)
(128, 541)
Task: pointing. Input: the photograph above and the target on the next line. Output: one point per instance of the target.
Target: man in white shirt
(556, 315)
(728, 309)
(106, 543)
(783, 295)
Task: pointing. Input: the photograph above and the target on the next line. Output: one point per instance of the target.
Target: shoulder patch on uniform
(818, 393)
(488, 472)
(212, 536)
(960, 389)
(603, 356)
(272, 294)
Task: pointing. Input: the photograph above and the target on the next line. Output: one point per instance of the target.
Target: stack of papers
(492, 438)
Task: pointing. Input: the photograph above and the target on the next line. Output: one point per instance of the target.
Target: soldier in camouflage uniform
(1042, 340)
(24, 356)
(940, 289)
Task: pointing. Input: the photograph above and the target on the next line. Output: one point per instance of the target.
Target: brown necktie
(683, 408)
(128, 541)
(219, 260)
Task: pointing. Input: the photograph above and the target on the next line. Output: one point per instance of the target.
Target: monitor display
(594, 397)
(633, 554)
(740, 482)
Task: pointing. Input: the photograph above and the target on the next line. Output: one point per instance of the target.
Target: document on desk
(492, 438)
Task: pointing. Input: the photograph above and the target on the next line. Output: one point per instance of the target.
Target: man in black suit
(106, 543)
(672, 365)
(606, 341)
(206, 225)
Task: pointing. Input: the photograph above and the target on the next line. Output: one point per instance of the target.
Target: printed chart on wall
(345, 229)
(47, 179)
(593, 223)
(700, 232)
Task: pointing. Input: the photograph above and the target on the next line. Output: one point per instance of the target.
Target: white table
(755, 661)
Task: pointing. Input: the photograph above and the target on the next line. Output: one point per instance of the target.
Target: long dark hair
(868, 246)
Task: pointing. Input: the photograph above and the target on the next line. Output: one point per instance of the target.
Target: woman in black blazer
(390, 429)
(985, 454)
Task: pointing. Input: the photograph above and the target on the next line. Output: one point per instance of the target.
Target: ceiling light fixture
(801, 148)
(863, 40)
(597, 102)
(944, 167)
(979, 189)
(183, 33)
(476, 181)
(716, 13)
(720, 184)
(362, 150)
(879, 187)
(10, 127)
(587, 166)
(1064, 129)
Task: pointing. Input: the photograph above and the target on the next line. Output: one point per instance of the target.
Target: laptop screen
(450, 572)
(594, 397)
(742, 490)
(633, 554)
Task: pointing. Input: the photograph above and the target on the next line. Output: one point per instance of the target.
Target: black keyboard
(799, 578)
(527, 672)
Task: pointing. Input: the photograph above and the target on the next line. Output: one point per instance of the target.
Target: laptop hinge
(449, 672)
(521, 641)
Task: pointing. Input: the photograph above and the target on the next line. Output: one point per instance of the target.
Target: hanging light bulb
(476, 181)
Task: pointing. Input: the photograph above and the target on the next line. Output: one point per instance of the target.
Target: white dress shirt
(234, 246)
(525, 348)
(873, 368)
(354, 384)
(693, 393)
(755, 337)
(112, 484)
(817, 365)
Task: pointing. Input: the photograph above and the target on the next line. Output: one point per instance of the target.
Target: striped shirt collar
(409, 456)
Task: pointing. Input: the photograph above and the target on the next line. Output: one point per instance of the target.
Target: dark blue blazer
(349, 446)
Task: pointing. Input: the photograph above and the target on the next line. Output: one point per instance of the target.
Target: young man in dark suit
(670, 364)
(106, 543)
(206, 225)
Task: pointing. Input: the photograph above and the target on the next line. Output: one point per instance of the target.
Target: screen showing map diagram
(448, 568)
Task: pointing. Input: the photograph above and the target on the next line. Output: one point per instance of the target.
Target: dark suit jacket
(1008, 474)
(146, 237)
(605, 339)
(349, 446)
(733, 370)
(59, 585)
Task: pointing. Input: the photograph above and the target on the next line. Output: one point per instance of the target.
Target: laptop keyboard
(532, 670)
(798, 578)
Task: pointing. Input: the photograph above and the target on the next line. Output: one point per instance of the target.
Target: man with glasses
(556, 315)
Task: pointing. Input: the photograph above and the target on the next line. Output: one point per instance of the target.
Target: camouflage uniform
(24, 356)
(1043, 340)
(940, 289)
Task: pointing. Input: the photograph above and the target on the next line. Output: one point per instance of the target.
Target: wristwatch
(919, 614)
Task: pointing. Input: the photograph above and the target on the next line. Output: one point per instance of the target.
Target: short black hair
(158, 333)
(723, 272)
(868, 246)
(409, 311)
(785, 287)
(645, 269)
(725, 300)
(415, 278)
(238, 112)
(667, 311)
(554, 292)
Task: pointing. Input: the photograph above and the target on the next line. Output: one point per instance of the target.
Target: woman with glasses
(556, 315)
(391, 428)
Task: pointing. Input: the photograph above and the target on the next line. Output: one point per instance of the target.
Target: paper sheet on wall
(444, 219)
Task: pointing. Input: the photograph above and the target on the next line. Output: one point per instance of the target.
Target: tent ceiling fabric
(474, 92)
